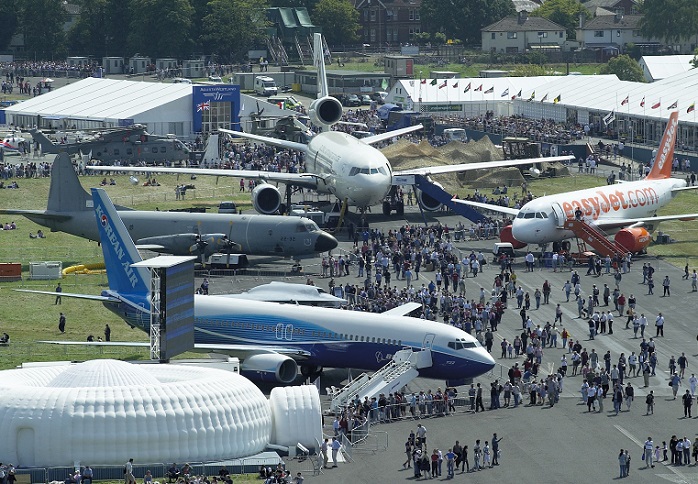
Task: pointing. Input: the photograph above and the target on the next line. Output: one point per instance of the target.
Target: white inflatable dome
(107, 411)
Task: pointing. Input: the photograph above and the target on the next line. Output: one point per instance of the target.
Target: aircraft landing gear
(311, 371)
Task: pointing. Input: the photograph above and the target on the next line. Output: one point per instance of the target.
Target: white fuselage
(10, 144)
(350, 168)
(540, 220)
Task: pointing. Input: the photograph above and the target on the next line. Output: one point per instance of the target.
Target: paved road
(549, 444)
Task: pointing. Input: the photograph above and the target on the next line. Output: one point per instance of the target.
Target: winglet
(119, 250)
(665, 154)
(319, 59)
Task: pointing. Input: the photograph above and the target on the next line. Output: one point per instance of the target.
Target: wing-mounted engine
(271, 367)
(634, 239)
(426, 201)
(506, 235)
(266, 199)
(325, 111)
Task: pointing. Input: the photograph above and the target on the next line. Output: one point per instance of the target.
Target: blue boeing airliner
(273, 340)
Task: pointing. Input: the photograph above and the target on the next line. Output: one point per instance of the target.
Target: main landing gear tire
(311, 371)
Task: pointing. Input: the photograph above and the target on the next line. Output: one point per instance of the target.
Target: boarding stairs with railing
(594, 236)
(402, 369)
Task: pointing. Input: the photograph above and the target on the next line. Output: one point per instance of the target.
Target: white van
(455, 134)
(265, 86)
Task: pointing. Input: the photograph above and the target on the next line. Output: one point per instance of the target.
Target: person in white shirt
(649, 447)
(693, 381)
(128, 472)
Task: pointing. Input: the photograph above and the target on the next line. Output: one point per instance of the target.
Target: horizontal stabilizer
(73, 295)
(682, 189)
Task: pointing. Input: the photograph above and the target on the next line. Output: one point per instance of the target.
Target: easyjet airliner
(627, 209)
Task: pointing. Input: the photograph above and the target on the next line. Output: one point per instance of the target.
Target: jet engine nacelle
(506, 235)
(427, 202)
(634, 239)
(271, 367)
(325, 111)
(266, 198)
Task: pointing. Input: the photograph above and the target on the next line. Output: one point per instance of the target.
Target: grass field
(28, 318)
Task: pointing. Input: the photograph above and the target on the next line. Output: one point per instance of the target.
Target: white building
(521, 33)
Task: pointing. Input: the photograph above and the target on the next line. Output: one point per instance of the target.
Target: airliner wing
(639, 222)
(305, 180)
(404, 309)
(242, 350)
(245, 350)
(484, 165)
(488, 206)
(268, 140)
(369, 140)
(73, 295)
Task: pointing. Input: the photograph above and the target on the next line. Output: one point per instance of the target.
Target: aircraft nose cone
(325, 242)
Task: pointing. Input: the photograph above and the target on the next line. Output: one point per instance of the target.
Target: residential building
(521, 33)
(386, 23)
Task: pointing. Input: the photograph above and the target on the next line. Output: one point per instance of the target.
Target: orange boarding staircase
(589, 234)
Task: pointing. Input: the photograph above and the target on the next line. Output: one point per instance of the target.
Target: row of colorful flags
(556, 100)
(505, 93)
(658, 104)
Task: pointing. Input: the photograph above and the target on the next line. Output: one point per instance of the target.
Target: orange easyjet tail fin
(665, 154)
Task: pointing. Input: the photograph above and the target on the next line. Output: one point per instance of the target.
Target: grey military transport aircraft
(70, 210)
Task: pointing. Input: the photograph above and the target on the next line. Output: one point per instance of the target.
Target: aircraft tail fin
(46, 144)
(319, 59)
(119, 250)
(665, 154)
(66, 193)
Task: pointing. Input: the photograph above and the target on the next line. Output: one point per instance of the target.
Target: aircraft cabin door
(559, 215)
(280, 331)
(428, 343)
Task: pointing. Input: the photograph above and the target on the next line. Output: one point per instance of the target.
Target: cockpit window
(354, 171)
(530, 215)
(301, 228)
(539, 215)
(520, 215)
(311, 227)
(462, 344)
(382, 171)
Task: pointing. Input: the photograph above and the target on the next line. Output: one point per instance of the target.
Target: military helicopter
(288, 128)
(132, 144)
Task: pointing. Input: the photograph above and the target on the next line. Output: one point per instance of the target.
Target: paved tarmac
(545, 444)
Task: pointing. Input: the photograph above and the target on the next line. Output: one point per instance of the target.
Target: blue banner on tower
(215, 106)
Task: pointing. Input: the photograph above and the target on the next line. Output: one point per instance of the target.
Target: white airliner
(336, 163)
(627, 209)
(272, 339)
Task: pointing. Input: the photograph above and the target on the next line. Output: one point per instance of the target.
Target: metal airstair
(595, 237)
(402, 369)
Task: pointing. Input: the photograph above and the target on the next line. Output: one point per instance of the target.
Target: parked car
(350, 100)
(379, 97)
(365, 99)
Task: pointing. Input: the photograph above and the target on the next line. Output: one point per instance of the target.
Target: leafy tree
(87, 35)
(625, 67)
(232, 27)
(117, 18)
(8, 14)
(161, 28)
(563, 12)
(694, 61)
(463, 19)
(41, 22)
(338, 19)
(671, 20)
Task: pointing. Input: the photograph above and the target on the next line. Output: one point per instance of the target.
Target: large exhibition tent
(97, 103)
